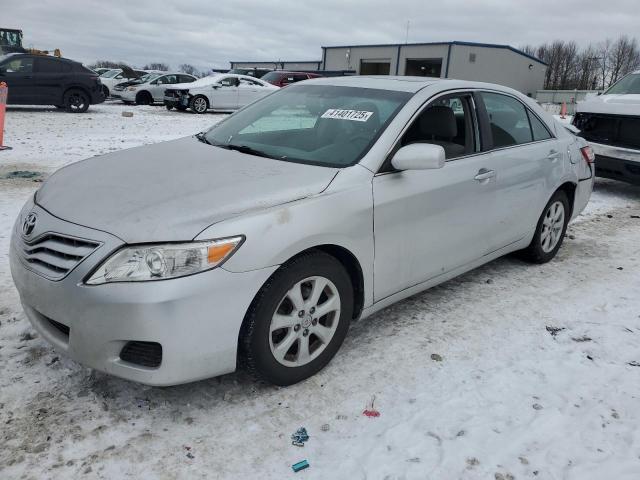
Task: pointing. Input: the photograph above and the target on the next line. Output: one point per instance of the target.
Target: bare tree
(163, 67)
(624, 57)
(107, 64)
(190, 69)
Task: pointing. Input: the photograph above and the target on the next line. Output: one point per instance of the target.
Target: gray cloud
(211, 33)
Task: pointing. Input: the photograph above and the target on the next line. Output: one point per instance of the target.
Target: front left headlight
(162, 261)
(132, 89)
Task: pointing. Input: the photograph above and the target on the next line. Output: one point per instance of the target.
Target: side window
(299, 78)
(48, 65)
(508, 118)
(229, 82)
(186, 79)
(19, 65)
(448, 122)
(540, 132)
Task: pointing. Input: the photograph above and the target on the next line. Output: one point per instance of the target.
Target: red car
(282, 78)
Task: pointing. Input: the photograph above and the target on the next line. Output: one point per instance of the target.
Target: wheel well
(570, 189)
(83, 90)
(143, 93)
(203, 96)
(353, 268)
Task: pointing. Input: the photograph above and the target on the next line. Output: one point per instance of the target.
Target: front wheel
(298, 320)
(199, 104)
(550, 230)
(169, 107)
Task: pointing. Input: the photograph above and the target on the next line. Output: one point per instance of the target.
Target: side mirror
(419, 156)
(216, 86)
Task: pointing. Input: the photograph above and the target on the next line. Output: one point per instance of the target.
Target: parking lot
(509, 371)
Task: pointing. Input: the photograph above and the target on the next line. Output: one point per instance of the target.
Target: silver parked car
(149, 88)
(258, 241)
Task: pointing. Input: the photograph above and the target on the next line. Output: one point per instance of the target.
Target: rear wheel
(199, 104)
(76, 101)
(105, 90)
(298, 320)
(550, 230)
(144, 98)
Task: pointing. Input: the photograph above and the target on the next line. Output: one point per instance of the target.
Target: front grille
(615, 130)
(63, 329)
(53, 255)
(145, 354)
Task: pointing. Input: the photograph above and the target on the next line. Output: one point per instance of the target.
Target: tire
(169, 107)
(550, 230)
(76, 101)
(106, 92)
(144, 98)
(313, 274)
(199, 104)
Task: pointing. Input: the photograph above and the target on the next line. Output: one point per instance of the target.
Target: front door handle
(484, 174)
(553, 155)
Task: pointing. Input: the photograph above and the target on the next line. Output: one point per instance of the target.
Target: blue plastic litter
(300, 466)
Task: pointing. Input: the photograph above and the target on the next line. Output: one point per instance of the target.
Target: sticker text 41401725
(354, 115)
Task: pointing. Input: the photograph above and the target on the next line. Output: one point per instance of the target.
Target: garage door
(375, 67)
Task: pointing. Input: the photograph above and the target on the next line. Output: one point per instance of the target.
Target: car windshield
(145, 78)
(273, 76)
(316, 124)
(110, 73)
(629, 85)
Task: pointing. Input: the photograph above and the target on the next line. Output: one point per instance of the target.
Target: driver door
(159, 85)
(430, 222)
(225, 94)
(18, 75)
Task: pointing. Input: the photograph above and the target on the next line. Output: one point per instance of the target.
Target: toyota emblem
(29, 224)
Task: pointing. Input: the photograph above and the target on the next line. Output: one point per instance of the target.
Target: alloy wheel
(200, 105)
(552, 226)
(305, 321)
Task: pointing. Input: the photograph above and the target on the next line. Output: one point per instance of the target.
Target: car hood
(172, 191)
(611, 104)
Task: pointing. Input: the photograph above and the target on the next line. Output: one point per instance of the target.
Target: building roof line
(455, 42)
(275, 61)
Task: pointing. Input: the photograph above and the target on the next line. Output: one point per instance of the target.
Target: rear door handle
(484, 174)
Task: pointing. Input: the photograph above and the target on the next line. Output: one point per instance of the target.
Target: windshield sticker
(355, 115)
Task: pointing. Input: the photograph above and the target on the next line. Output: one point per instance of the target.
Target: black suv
(45, 80)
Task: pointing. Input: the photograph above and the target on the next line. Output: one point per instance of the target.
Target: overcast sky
(210, 33)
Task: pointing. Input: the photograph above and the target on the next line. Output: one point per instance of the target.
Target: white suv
(611, 124)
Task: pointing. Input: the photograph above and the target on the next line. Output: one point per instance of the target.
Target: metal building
(294, 65)
(481, 62)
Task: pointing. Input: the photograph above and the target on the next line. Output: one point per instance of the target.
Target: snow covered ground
(510, 371)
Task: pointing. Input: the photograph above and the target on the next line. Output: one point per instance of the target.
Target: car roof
(36, 55)
(401, 83)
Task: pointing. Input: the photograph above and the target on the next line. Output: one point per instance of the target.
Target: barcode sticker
(355, 115)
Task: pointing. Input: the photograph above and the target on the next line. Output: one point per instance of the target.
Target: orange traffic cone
(563, 110)
(3, 106)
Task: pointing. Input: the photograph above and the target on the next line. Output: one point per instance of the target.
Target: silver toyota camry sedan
(257, 242)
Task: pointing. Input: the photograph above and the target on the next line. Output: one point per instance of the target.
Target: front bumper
(176, 101)
(617, 163)
(125, 95)
(195, 319)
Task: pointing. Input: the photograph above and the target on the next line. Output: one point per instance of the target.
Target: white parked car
(611, 124)
(150, 88)
(223, 91)
(258, 241)
(115, 76)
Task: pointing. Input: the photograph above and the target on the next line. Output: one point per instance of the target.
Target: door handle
(484, 174)
(553, 155)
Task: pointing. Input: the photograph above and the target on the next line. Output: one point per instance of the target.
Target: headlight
(162, 261)
(132, 89)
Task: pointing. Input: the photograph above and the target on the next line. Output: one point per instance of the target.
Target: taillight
(588, 155)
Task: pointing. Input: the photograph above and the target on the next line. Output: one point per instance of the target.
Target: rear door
(430, 222)
(49, 79)
(525, 158)
(249, 91)
(159, 85)
(18, 74)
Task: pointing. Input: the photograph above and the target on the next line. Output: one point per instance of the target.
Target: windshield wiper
(203, 138)
(244, 149)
